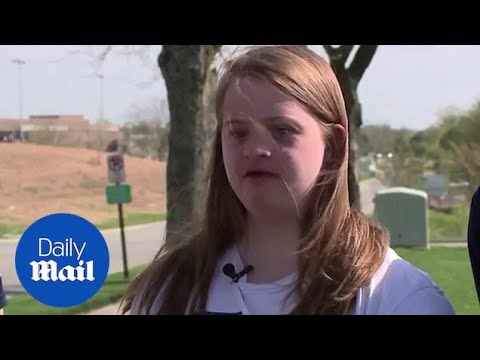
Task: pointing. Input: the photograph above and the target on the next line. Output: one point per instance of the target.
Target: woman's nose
(258, 149)
(261, 152)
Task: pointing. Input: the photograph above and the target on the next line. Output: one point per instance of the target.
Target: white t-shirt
(398, 288)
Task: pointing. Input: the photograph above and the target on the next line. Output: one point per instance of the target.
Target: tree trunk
(190, 77)
(349, 78)
(354, 115)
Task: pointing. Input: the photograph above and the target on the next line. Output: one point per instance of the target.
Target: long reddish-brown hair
(340, 248)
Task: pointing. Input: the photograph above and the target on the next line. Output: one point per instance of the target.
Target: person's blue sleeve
(426, 301)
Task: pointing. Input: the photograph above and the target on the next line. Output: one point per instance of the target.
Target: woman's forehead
(256, 99)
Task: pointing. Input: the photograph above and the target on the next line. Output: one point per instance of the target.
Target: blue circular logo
(62, 260)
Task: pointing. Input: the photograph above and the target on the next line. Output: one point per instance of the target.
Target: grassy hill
(38, 180)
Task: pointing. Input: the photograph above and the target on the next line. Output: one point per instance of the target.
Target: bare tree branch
(104, 53)
(98, 54)
(339, 54)
(361, 61)
(344, 51)
(330, 50)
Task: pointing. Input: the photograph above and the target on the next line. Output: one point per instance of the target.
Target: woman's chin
(269, 207)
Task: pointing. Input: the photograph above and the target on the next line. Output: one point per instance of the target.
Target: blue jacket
(474, 239)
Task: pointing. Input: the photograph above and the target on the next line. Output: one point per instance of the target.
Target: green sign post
(118, 192)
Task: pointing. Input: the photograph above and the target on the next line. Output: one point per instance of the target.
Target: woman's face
(273, 148)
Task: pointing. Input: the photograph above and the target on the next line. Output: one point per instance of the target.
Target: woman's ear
(338, 139)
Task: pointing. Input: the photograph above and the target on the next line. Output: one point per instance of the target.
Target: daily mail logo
(49, 270)
(62, 260)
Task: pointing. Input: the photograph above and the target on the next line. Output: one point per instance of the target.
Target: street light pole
(19, 63)
(100, 112)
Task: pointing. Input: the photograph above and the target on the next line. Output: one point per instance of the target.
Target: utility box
(404, 212)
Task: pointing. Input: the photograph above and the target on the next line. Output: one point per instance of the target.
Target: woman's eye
(284, 130)
(238, 133)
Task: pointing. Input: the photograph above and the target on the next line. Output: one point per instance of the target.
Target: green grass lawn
(112, 291)
(450, 268)
(9, 228)
(130, 219)
(448, 226)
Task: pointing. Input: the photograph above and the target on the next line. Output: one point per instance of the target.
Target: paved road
(368, 189)
(142, 243)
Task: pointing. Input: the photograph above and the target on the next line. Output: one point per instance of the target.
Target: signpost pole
(122, 235)
(118, 192)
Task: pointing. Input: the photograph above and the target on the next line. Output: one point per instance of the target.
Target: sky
(405, 85)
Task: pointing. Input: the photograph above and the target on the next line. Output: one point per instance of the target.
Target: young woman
(279, 236)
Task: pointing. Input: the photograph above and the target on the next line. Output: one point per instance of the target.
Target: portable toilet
(404, 212)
